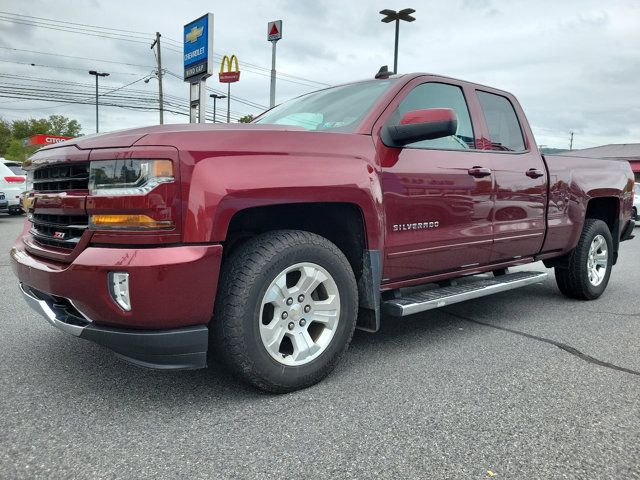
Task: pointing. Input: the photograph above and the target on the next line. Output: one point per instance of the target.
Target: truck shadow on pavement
(88, 369)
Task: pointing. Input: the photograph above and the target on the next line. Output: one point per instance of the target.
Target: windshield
(334, 109)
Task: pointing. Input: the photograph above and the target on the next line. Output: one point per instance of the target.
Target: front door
(437, 194)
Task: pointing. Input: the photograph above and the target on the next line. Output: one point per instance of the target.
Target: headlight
(128, 177)
(29, 181)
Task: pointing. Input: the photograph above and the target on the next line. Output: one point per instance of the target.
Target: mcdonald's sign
(230, 75)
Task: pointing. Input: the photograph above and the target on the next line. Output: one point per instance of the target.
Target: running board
(439, 297)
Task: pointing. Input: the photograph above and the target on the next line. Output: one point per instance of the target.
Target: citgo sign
(46, 139)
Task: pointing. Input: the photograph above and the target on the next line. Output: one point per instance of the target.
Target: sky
(574, 65)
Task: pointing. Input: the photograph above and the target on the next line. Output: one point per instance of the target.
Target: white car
(636, 201)
(12, 184)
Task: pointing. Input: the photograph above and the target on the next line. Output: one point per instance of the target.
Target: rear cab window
(505, 132)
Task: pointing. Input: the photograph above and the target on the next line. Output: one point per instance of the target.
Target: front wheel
(589, 265)
(286, 310)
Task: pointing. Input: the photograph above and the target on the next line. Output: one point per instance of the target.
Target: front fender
(218, 187)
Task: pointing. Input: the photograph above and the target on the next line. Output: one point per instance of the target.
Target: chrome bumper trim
(43, 309)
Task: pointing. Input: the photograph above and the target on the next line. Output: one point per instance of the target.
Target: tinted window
(439, 95)
(504, 129)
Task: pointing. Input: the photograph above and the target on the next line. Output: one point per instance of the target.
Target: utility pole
(156, 42)
(216, 97)
(97, 74)
(571, 142)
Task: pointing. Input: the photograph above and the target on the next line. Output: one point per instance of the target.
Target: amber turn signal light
(135, 222)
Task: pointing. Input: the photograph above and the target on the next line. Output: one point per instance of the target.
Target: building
(629, 152)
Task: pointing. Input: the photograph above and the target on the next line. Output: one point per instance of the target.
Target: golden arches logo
(229, 61)
(230, 75)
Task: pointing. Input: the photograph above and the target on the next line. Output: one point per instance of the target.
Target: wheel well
(605, 209)
(340, 223)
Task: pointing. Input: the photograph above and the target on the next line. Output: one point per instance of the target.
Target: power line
(60, 67)
(235, 97)
(76, 57)
(71, 30)
(85, 98)
(258, 67)
(88, 89)
(72, 23)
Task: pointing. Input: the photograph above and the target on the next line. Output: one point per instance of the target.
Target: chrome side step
(439, 297)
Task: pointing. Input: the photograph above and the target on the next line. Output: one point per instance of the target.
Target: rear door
(520, 178)
(437, 207)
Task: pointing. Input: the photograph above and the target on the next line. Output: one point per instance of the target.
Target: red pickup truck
(268, 243)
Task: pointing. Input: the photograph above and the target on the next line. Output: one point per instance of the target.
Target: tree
(246, 119)
(64, 126)
(54, 125)
(13, 134)
(22, 129)
(18, 151)
(5, 136)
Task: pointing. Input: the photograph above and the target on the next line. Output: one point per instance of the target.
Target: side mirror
(418, 125)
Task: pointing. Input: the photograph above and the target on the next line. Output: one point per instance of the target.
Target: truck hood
(162, 135)
(217, 140)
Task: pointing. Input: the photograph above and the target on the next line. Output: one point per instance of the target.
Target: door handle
(534, 173)
(479, 172)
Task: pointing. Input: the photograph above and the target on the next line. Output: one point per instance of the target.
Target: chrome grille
(60, 231)
(55, 178)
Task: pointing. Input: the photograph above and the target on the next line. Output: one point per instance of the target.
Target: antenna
(383, 73)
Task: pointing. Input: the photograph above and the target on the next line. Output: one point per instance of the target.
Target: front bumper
(180, 348)
(172, 292)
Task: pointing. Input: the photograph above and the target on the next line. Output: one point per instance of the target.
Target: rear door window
(505, 133)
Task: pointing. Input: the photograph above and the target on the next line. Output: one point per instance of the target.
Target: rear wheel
(286, 310)
(589, 265)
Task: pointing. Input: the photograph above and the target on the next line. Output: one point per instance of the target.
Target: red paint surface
(505, 218)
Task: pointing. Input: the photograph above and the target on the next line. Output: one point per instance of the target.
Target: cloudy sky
(574, 65)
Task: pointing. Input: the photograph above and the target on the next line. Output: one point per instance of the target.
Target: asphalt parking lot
(438, 395)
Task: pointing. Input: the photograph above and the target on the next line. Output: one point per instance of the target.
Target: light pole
(97, 74)
(215, 97)
(390, 16)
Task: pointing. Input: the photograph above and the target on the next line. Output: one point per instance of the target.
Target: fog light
(119, 289)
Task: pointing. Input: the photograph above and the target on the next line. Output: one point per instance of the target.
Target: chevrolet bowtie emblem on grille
(59, 235)
(194, 34)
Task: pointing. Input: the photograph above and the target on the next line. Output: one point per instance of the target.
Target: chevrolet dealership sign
(198, 48)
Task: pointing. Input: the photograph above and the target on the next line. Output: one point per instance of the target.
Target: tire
(575, 280)
(244, 314)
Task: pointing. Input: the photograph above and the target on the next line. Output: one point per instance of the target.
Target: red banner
(229, 77)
